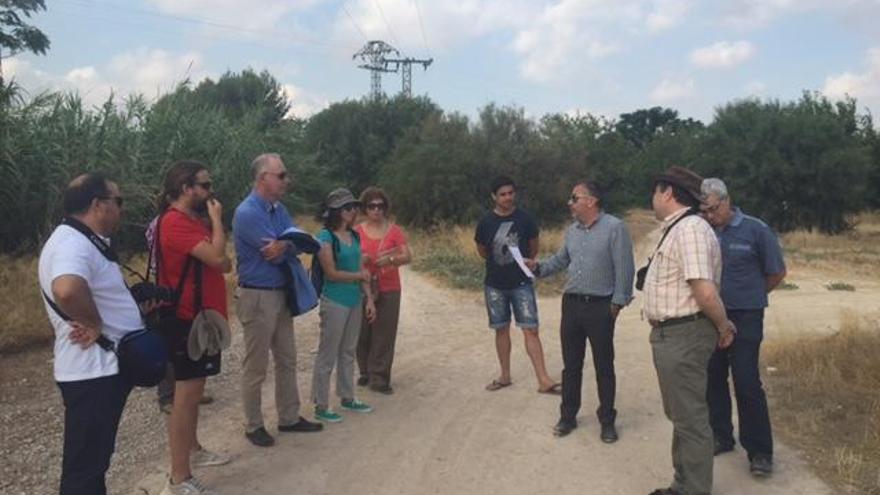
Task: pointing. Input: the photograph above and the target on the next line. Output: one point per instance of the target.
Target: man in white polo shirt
(89, 289)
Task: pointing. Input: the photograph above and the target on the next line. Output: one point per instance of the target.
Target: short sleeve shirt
(394, 240)
(749, 252)
(689, 252)
(498, 234)
(68, 252)
(179, 234)
(348, 259)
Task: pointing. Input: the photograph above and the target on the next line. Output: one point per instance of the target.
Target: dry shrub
(23, 320)
(837, 254)
(825, 400)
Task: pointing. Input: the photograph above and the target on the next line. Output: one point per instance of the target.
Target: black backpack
(316, 272)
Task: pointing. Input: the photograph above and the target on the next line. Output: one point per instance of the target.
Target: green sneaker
(327, 415)
(356, 406)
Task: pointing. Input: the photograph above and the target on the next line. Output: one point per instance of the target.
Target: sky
(602, 57)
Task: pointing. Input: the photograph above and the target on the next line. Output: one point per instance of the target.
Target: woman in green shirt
(345, 283)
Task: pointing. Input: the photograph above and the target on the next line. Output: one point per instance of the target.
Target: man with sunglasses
(90, 290)
(597, 252)
(506, 285)
(752, 266)
(262, 301)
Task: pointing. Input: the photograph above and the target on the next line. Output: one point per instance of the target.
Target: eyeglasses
(707, 208)
(575, 197)
(280, 175)
(349, 206)
(118, 199)
(205, 185)
(376, 206)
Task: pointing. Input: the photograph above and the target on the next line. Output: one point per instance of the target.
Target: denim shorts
(522, 299)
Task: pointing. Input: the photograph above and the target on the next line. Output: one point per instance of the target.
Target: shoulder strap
(105, 249)
(102, 341)
(663, 237)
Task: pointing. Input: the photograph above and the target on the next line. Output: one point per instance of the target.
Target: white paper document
(517, 255)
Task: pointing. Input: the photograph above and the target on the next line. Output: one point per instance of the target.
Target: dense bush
(803, 164)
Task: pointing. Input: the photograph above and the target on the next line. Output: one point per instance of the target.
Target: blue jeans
(521, 299)
(92, 409)
(741, 360)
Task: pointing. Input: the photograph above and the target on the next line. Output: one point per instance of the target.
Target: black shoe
(363, 381)
(761, 465)
(301, 426)
(563, 428)
(609, 433)
(722, 446)
(260, 437)
(382, 389)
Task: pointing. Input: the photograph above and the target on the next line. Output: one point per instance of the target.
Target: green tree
(240, 93)
(796, 165)
(642, 126)
(16, 35)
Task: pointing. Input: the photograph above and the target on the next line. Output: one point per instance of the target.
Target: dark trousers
(375, 350)
(582, 321)
(741, 358)
(92, 409)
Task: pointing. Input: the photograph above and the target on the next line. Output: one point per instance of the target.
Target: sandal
(555, 389)
(497, 385)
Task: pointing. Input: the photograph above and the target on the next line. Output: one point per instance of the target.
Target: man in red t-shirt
(192, 247)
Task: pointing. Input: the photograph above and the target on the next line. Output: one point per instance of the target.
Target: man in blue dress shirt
(752, 267)
(262, 301)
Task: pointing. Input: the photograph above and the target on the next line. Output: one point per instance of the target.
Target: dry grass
(824, 400)
(23, 321)
(837, 255)
(448, 253)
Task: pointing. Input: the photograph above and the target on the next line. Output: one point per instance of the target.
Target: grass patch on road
(825, 402)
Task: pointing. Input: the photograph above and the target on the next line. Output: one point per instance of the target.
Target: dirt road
(441, 433)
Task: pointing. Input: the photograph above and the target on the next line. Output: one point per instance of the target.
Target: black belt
(678, 321)
(259, 287)
(587, 298)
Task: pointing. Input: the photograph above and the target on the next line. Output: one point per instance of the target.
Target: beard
(201, 207)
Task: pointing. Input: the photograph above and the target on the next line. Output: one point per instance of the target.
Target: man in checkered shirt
(688, 322)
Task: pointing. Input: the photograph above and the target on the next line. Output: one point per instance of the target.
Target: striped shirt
(599, 259)
(689, 252)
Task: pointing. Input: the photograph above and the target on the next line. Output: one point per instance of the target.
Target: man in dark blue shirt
(262, 301)
(752, 267)
(501, 235)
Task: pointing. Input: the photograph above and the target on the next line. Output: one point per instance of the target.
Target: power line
(422, 27)
(351, 18)
(275, 35)
(387, 24)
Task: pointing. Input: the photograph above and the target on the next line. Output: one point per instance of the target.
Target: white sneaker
(192, 486)
(205, 458)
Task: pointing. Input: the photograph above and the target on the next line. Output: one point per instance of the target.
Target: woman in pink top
(384, 248)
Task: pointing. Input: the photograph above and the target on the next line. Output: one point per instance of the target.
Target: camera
(147, 291)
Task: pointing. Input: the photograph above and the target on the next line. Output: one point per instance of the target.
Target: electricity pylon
(374, 54)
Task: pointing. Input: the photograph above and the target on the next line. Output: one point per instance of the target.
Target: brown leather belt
(677, 321)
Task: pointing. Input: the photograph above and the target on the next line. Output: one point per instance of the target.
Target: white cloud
(865, 86)
(554, 39)
(750, 14)
(303, 103)
(723, 54)
(667, 14)
(671, 90)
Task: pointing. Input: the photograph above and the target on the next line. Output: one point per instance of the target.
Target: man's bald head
(83, 190)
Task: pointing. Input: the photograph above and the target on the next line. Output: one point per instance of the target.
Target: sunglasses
(376, 206)
(118, 199)
(349, 206)
(575, 197)
(205, 185)
(280, 175)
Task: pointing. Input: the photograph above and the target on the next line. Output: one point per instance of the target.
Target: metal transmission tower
(405, 65)
(373, 54)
